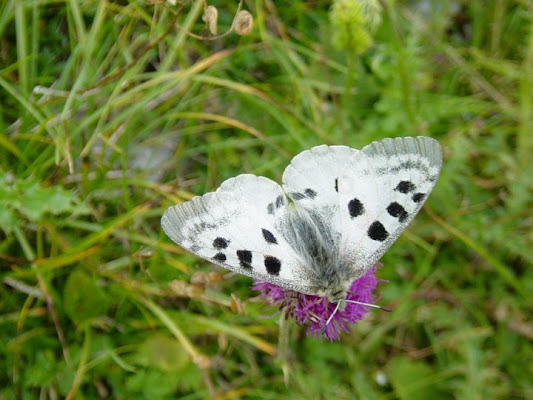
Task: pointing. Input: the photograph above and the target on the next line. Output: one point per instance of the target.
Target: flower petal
(313, 311)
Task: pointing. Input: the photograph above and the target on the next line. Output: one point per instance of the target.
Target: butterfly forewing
(403, 172)
(366, 197)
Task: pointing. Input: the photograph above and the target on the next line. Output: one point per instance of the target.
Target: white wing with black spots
(367, 197)
(339, 210)
(237, 227)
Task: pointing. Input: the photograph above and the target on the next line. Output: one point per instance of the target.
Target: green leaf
(163, 352)
(84, 299)
(413, 380)
(152, 384)
(37, 200)
(33, 200)
(43, 371)
(8, 219)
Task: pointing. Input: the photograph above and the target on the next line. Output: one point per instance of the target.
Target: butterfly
(335, 214)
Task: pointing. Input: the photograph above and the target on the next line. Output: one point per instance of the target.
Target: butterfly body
(312, 239)
(334, 216)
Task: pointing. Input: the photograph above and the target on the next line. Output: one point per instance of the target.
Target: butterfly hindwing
(237, 227)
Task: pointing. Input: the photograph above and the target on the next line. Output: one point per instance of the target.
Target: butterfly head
(336, 292)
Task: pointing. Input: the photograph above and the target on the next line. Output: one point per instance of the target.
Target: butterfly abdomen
(313, 239)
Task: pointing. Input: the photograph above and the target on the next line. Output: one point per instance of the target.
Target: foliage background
(111, 112)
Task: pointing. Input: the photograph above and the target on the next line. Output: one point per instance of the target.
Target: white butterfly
(338, 210)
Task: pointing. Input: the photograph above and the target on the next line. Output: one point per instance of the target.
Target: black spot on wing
(411, 164)
(280, 201)
(272, 265)
(269, 237)
(337, 185)
(297, 196)
(355, 208)
(220, 257)
(418, 197)
(270, 208)
(245, 258)
(396, 210)
(200, 226)
(310, 193)
(220, 243)
(377, 231)
(405, 187)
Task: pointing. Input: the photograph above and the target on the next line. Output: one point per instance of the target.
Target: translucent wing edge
(422, 145)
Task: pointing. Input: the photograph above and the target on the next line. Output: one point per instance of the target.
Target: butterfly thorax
(312, 237)
(335, 294)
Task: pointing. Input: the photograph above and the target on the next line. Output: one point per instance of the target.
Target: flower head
(353, 23)
(313, 312)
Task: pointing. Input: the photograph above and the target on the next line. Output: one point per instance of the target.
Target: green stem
(526, 99)
(192, 17)
(283, 347)
(504, 272)
(22, 47)
(82, 366)
(401, 56)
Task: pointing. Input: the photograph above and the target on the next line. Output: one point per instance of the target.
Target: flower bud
(243, 23)
(179, 288)
(183, 289)
(202, 361)
(236, 305)
(353, 23)
(210, 17)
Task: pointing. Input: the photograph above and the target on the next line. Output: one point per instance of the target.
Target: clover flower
(313, 312)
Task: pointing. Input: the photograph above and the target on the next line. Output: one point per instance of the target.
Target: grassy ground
(111, 112)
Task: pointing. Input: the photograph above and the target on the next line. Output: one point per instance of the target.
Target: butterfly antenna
(355, 302)
(332, 314)
(366, 304)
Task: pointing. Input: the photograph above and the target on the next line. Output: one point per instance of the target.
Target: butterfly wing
(367, 197)
(237, 227)
(405, 171)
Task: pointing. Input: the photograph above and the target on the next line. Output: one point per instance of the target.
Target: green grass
(110, 112)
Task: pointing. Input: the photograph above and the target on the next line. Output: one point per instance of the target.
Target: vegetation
(112, 111)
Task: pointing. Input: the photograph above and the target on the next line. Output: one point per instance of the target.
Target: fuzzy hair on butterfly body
(312, 238)
(338, 210)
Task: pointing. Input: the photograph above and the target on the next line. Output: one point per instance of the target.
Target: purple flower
(313, 311)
